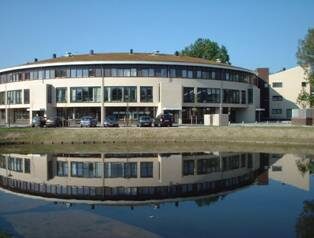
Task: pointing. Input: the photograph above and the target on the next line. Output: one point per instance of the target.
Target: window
(277, 98)
(85, 94)
(49, 94)
(15, 164)
(188, 95)
(277, 84)
(208, 95)
(243, 97)
(231, 96)
(188, 167)
(146, 94)
(62, 168)
(26, 96)
(146, 169)
(86, 169)
(60, 73)
(27, 166)
(14, 97)
(250, 95)
(276, 111)
(129, 94)
(2, 98)
(61, 95)
(130, 170)
(116, 94)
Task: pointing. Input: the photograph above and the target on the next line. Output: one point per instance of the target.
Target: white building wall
(291, 80)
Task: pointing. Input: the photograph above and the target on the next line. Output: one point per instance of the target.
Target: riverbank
(297, 136)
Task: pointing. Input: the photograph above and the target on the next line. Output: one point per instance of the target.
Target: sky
(257, 33)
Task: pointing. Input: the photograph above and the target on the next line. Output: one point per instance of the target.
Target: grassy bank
(252, 135)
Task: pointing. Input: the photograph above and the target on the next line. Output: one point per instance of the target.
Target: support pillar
(30, 116)
(180, 117)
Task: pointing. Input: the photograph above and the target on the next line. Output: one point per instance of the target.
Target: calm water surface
(204, 194)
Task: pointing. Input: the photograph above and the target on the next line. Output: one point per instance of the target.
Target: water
(203, 194)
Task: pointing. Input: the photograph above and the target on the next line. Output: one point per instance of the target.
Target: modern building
(285, 87)
(127, 85)
(113, 177)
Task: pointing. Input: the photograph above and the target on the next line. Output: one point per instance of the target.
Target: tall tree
(207, 49)
(305, 56)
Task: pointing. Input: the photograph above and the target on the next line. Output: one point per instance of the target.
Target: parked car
(144, 121)
(88, 121)
(38, 121)
(111, 121)
(53, 122)
(164, 120)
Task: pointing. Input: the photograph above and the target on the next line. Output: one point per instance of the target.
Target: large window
(2, 98)
(231, 96)
(188, 95)
(146, 169)
(146, 94)
(243, 97)
(188, 167)
(26, 96)
(62, 168)
(116, 94)
(49, 93)
(61, 95)
(208, 95)
(15, 164)
(277, 84)
(14, 97)
(86, 169)
(85, 94)
(129, 94)
(120, 170)
(250, 95)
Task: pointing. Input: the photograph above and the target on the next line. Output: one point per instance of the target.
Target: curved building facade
(127, 85)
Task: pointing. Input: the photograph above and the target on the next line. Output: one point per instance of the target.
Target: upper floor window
(146, 94)
(277, 84)
(26, 96)
(61, 95)
(14, 97)
(2, 98)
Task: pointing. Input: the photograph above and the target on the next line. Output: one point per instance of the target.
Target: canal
(156, 194)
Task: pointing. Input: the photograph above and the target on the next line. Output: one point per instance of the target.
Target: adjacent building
(285, 87)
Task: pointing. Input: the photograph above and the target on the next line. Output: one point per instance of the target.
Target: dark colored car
(144, 121)
(164, 120)
(38, 121)
(88, 121)
(53, 122)
(111, 121)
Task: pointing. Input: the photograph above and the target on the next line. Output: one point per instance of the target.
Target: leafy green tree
(305, 56)
(305, 223)
(207, 49)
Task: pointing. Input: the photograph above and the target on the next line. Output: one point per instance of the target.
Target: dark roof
(126, 57)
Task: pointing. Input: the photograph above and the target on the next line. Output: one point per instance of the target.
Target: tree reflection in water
(305, 222)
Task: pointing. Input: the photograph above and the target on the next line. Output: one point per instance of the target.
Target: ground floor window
(85, 94)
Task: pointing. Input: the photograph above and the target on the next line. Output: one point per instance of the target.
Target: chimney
(91, 52)
(54, 55)
(263, 73)
(156, 52)
(131, 51)
(176, 53)
(35, 59)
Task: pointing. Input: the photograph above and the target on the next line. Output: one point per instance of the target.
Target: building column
(30, 116)
(102, 109)
(180, 117)
(6, 116)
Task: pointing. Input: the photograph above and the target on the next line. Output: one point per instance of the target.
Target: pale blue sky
(256, 33)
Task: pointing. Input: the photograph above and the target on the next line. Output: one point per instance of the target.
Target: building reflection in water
(136, 178)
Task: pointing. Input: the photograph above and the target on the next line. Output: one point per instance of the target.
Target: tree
(305, 56)
(207, 49)
(305, 223)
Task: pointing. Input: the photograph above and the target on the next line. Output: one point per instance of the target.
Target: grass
(256, 135)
